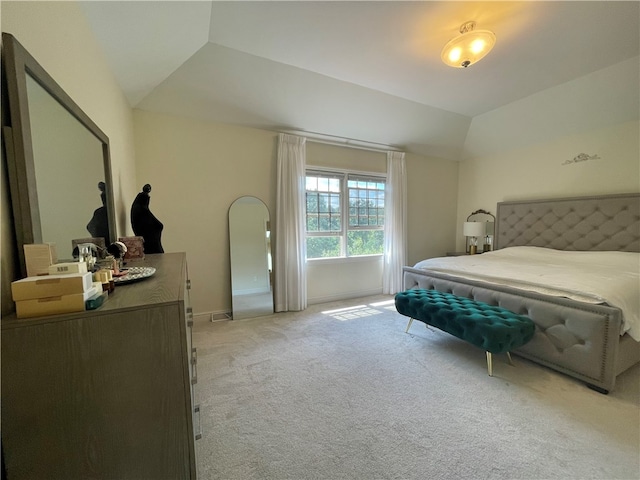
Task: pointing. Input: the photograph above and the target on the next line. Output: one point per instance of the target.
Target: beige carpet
(339, 391)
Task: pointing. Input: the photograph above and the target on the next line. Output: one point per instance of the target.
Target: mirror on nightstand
(484, 236)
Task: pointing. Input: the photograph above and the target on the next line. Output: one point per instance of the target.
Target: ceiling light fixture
(468, 47)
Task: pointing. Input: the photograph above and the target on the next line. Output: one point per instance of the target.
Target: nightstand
(456, 254)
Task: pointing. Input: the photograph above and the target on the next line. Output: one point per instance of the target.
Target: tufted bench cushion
(492, 328)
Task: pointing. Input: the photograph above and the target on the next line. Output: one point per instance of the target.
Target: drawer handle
(194, 379)
(189, 311)
(198, 433)
(189, 284)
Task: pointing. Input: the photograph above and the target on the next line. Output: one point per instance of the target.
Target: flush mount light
(468, 47)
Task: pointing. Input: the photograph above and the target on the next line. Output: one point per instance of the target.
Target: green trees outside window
(340, 225)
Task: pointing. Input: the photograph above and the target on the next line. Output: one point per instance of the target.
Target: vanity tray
(134, 274)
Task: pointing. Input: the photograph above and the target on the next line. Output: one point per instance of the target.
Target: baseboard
(223, 315)
(344, 296)
(219, 316)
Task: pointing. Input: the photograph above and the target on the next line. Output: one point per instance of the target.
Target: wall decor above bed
(581, 157)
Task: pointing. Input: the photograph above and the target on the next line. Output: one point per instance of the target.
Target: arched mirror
(57, 160)
(250, 248)
(479, 230)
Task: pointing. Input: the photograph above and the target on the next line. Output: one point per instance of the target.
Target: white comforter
(612, 278)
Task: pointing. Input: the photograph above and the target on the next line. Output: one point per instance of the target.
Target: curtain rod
(343, 141)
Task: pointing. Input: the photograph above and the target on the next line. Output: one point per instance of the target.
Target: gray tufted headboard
(607, 222)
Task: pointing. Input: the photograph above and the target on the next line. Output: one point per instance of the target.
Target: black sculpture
(98, 226)
(145, 224)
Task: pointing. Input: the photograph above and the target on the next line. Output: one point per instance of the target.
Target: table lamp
(488, 237)
(474, 230)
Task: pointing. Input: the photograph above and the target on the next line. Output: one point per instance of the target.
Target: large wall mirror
(57, 159)
(251, 267)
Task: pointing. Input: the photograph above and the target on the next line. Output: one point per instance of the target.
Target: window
(340, 225)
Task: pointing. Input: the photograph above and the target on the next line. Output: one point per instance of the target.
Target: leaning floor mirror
(250, 249)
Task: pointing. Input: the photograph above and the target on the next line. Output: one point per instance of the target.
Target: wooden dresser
(106, 393)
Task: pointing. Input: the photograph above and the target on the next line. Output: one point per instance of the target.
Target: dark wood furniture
(105, 393)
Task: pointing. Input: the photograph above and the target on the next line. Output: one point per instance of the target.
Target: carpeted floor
(339, 391)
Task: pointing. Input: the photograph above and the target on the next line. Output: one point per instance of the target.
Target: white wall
(432, 186)
(517, 151)
(57, 35)
(197, 169)
(603, 98)
(538, 171)
(336, 279)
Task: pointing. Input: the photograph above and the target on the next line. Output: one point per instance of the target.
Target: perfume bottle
(85, 254)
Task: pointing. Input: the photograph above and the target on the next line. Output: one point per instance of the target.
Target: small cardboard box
(38, 257)
(51, 286)
(53, 305)
(67, 268)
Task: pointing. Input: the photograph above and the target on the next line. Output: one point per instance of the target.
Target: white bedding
(612, 278)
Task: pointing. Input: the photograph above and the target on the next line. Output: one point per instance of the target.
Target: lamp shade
(474, 229)
(468, 47)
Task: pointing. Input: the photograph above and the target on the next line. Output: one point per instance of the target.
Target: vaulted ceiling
(364, 70)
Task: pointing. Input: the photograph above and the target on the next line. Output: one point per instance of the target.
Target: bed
(589, 336)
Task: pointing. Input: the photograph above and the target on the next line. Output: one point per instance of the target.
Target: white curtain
(395, 223)
(290, 269)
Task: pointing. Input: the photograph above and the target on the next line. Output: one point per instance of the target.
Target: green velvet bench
(492, 328)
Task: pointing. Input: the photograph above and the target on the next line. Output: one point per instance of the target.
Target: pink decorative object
(135, 247)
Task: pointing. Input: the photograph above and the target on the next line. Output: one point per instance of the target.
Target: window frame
(343, 174)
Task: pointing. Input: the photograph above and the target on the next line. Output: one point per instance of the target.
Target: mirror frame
(484, 213)
(17, 63)
(235, 313)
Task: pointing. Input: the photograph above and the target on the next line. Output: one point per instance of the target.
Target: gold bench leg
(490, 364)
(409, 325)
